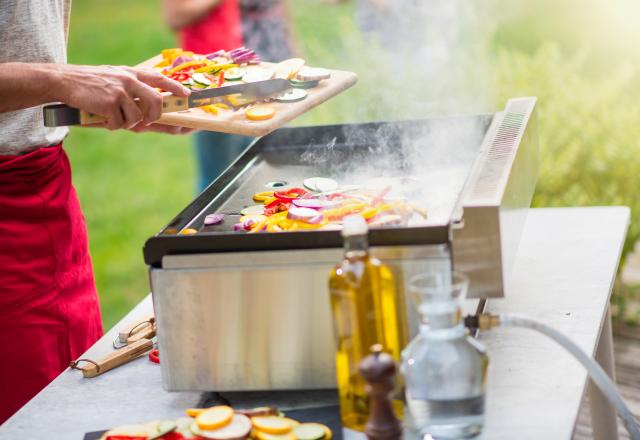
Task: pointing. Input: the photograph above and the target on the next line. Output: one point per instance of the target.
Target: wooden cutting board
(235, 122)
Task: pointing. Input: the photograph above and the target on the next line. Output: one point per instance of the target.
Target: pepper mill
(379, 370)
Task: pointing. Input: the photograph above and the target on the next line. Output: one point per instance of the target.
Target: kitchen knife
(58, 115)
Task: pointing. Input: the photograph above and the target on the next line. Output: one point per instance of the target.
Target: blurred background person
(205, 26)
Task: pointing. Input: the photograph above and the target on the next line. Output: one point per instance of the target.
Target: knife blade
(59, 115)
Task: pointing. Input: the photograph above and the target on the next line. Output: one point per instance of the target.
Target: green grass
(129, 184)
(578, 61)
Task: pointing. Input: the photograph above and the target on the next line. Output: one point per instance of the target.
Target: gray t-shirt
(32, 31)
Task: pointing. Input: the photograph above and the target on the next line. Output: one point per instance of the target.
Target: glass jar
(444, 369)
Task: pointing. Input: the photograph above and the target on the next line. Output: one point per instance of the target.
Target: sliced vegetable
(131, 432)
(262, 196)
(234, 74)
(216, 54)
(320, 184)
(164, 427)
(254, 209)
(289, 194)
(293, 95)
(260, 113)
(189, 231)
(305, 214)
(214, 219)
(247, 221)
(288, 69)
(214, 110)
(272, 424)
(303, 84)
(313, 74)
(315, 203)
(266, 436)
(260, 411)
(181, 60)
(257, 74)
(310, 431)
(237, 429)
(242, 55)
(195, 64)
(214, 418)
(201, 79)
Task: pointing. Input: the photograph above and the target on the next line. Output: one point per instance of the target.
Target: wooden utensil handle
(117, 358)
(148, 333)
(134, 327)
(170, 103)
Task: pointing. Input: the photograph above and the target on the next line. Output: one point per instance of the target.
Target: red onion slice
(315, 203)
(181, 59)
(217, 53)
(304, 214)
(213, 219)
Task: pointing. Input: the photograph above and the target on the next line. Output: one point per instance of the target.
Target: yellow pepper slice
(369, 213)
(213, 66)
(171, 53)
(185, 65)
(211, 109)
(164, 63)
(263, 196)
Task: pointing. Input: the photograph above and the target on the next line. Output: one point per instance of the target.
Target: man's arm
(181, 13)
(104, 90)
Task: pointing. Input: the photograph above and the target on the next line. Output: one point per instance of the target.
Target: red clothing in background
(49, 311)
(219, 29)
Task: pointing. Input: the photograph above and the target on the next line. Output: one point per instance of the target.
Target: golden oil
(366, 310)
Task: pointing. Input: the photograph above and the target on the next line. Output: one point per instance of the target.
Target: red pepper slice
(290, 194)
(125, 437)
(172, 436)
(154, 356)
(221, 78)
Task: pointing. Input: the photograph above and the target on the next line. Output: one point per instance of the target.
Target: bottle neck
(356, 246)
(440, 315)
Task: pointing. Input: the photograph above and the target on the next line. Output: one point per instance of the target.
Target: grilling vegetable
(293, 95)
(238, 428)
(303, 84)
(235, 74)
(258, 74)
(257, 423)
(313, 74)
(214, 219)
(201, 79)
(272, 424)
(255, 209)
(260, 113)
(308, 215)
(214, 418)
(288, 69)
(309, 431)
(320, 184)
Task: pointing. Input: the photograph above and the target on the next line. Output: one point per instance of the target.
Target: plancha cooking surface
(426, 161)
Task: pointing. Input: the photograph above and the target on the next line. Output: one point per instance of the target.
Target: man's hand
(104, 90)
(112, 92)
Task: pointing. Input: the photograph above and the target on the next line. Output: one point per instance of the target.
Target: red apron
(49, 311)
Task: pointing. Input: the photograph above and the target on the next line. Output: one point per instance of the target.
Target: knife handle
(59, 115)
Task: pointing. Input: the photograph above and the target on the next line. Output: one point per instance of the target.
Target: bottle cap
(354, 225)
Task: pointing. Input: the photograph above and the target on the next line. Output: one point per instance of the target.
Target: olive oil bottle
(366, 311)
